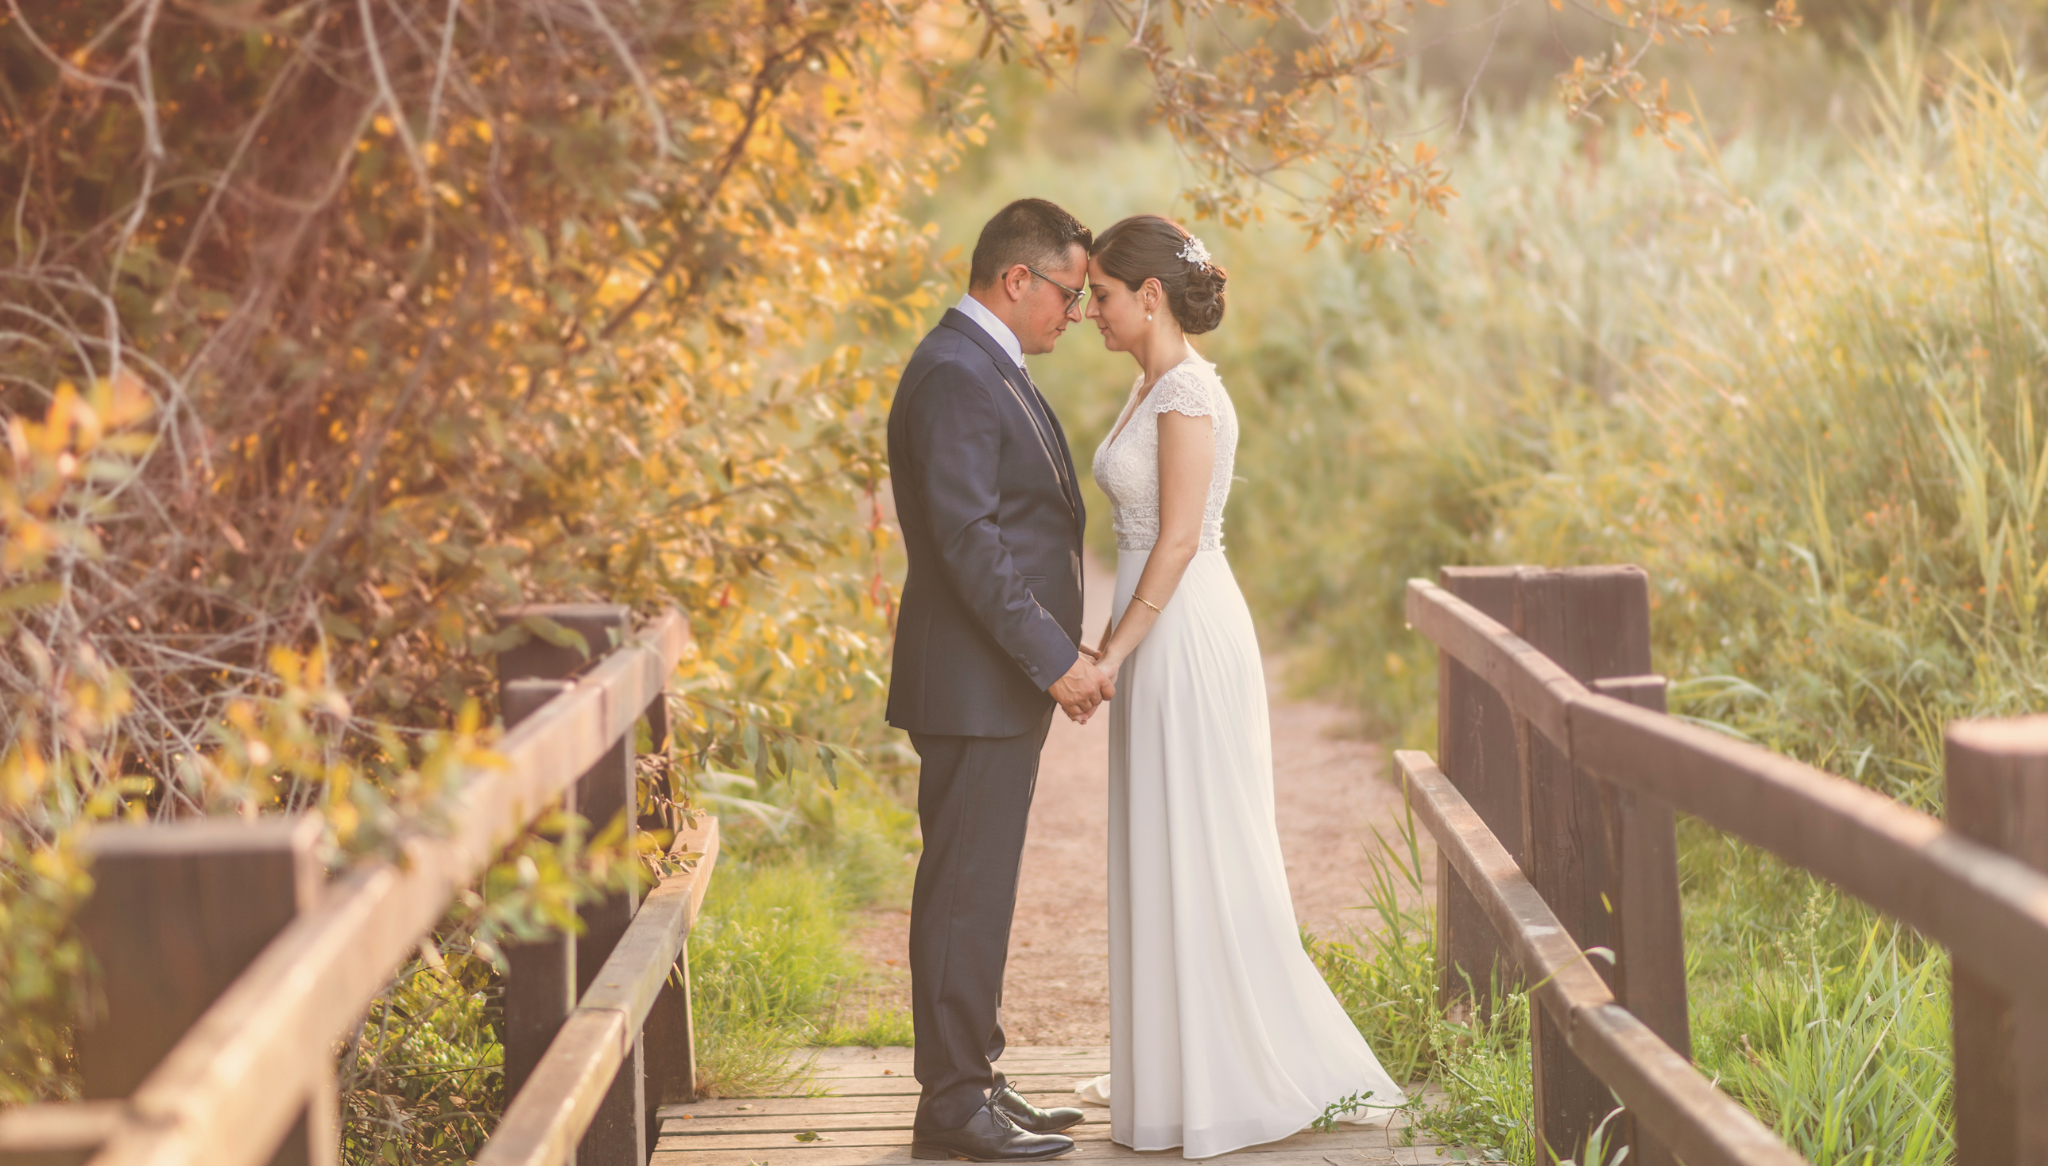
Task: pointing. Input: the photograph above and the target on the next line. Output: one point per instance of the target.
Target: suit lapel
(1058, 460)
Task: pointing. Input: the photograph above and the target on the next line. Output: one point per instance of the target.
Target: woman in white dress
(1223, 1034)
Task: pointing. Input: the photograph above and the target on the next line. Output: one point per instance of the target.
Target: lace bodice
(1127, 462)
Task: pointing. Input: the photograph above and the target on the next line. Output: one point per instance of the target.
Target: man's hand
(1079, 691)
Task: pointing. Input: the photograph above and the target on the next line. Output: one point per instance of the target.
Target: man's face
(1043, 310)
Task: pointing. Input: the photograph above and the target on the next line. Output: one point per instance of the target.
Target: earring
(1148, 316)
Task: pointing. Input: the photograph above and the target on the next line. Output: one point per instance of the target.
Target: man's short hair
(1030, 230)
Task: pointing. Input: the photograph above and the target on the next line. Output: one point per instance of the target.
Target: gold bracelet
(1146, 602)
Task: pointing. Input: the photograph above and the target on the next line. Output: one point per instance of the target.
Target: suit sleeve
(957, 426)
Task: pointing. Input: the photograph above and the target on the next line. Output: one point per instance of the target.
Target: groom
(985, 648)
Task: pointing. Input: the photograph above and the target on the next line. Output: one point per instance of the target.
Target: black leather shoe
(988, 1136)
(1031, 1118)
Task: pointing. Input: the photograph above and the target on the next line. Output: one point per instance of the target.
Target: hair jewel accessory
(1194, 252)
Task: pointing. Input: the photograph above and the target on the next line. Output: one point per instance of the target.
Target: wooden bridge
(860, 1116)
(231, 966)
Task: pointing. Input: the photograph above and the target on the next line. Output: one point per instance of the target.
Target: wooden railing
(1553, 815)
(231, 967)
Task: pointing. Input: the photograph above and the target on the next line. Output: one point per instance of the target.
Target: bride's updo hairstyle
(1146, 247)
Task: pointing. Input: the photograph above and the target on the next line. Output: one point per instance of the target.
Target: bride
(1223, 1034)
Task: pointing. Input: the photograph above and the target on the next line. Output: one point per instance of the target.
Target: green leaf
(554, 633)
(30, 595)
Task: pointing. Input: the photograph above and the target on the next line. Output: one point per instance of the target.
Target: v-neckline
(1130, 413)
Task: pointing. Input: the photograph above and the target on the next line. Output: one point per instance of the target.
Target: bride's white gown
(1223, 1034)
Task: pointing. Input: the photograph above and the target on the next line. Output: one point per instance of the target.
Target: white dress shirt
(998, 331)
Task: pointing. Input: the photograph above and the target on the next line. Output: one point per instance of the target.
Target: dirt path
(1328, 793)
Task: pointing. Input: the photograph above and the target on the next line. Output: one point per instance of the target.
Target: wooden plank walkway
(859, 1115)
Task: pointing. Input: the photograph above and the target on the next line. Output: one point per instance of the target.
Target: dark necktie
(1041, 420)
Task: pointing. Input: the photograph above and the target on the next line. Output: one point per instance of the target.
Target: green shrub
(422, 1079)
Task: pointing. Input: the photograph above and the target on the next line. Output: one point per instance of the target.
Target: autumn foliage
(332, 329)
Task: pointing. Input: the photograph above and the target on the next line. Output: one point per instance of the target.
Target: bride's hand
(1107, 666)
(1107, 690)
(1092, 653)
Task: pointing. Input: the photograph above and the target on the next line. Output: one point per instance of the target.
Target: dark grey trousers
(973, 801)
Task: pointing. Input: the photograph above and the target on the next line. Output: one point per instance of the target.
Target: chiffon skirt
(1223, 1034)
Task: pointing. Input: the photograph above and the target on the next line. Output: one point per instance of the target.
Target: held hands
(1083, 687)
(1105, 666)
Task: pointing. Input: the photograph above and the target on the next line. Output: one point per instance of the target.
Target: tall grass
(771, 967)
(1849, 1061)
(765, 963)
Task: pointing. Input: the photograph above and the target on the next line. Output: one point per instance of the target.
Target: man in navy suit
(986, 647)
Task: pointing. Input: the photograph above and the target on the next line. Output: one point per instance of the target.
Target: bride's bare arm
(1187, 458)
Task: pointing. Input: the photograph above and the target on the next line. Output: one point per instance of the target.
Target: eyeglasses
(1074, 294)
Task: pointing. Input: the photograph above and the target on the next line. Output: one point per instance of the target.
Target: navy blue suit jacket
(992, 520)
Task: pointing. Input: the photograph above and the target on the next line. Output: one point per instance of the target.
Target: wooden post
(1648, 925)
(178, 911)
(540, 980)
(607, 790)
(1594, 622)
(603, 796)
(617, 1133)
(671, 1048)
(1476, 749)
(668, 1039)
(1998, 796)
(668, 1035)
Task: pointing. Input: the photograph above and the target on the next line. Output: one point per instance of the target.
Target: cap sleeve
(1185, 390)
